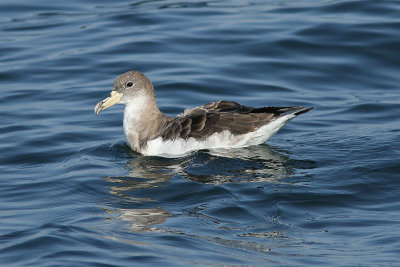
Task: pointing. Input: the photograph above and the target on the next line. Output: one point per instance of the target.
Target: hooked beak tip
(114, 98)
(98, 108)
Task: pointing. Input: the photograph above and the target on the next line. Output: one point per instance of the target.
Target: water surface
(323, 191)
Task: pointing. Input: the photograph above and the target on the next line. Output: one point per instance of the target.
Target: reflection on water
(218, 166)
(141, 220)
(258, 164)
(253, 164)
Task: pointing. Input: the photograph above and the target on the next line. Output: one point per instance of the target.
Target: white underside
(218, 140)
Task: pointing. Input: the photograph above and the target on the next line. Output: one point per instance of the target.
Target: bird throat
(142, 121)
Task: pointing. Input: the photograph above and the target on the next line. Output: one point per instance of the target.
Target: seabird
(221, 124)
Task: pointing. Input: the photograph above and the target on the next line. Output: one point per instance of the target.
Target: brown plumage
(215, 117)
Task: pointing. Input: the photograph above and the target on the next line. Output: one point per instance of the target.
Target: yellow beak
(114, 98)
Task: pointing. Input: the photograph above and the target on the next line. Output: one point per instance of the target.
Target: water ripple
(74, 193)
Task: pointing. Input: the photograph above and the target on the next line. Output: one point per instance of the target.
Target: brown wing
(215, 117)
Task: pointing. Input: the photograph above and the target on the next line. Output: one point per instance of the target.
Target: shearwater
(221, 124)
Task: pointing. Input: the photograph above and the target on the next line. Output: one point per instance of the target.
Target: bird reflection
(258, 164)
(141, 220)
(218, 166)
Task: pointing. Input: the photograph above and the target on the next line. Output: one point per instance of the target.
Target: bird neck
(142, 122)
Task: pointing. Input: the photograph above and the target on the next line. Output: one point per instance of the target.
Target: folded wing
(215, 117)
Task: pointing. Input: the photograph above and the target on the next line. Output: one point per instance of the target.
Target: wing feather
(215, 117)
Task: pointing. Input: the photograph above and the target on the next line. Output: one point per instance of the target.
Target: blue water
(324, 191)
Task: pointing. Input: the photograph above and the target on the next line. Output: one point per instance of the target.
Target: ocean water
(324, 191)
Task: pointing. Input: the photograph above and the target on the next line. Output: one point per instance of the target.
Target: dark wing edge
(305, 110)
(280, 111)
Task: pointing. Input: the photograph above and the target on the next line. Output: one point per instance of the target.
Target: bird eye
(129, 84)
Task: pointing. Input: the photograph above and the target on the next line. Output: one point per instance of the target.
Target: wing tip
(304, 110)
